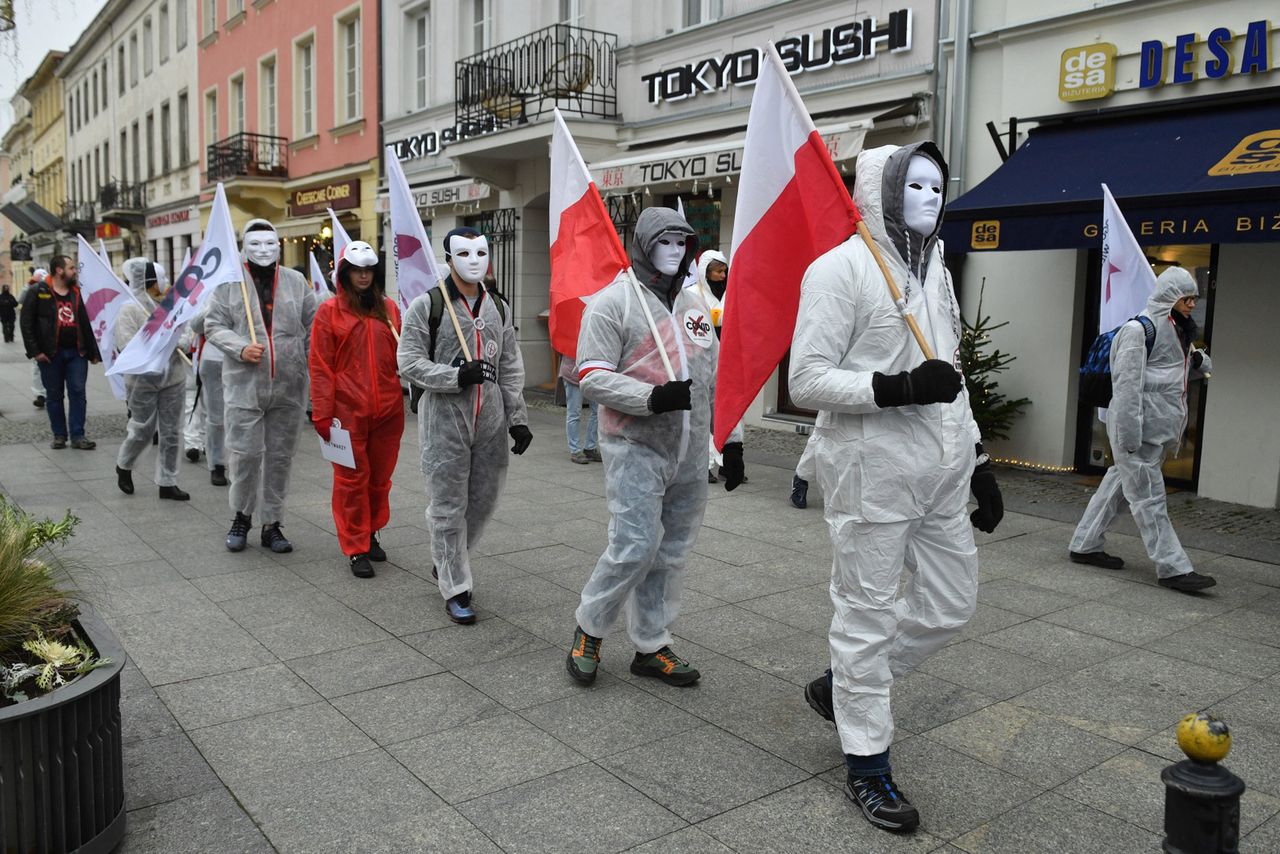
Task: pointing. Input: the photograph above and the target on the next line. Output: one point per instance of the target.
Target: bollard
(1202, 799)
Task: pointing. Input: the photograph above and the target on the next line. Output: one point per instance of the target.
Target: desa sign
(1087, 72)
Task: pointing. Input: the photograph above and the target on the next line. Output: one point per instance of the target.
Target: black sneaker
(193, 455)
(124, 480)
(173, 493)
(218, 476)
(799, 492)
(376, 552)
(360, 566)
(273, 538)
(1098, 558)
(38, 403)
(818, 695)
(238, 536)
(1189, 582)
(882, 802)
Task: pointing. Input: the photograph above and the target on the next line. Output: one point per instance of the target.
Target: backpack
(436, 296)
(1095, 373)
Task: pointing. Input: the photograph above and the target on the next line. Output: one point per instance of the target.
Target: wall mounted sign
(431, 143)
(339, 195)
(170, 218)
(1087, 72)
(456, 192)
(1216, 57)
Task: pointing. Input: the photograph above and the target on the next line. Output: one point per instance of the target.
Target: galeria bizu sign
(852, 41)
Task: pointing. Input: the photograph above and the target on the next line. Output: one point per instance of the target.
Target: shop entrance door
(1093, 449)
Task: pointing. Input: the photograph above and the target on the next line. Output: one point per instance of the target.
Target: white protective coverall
(211, 407)
(895, 480)
(655, 464)
(1146, 420)
(264, 402)
(155, 400)
(462, 431)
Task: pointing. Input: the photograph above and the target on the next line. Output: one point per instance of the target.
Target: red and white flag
(317, 276)
(586, 254)
(1127, 278)
(103, 294)
(102, 252)
(416, 269)
(217, 262)
(340, 241)
(792, 207)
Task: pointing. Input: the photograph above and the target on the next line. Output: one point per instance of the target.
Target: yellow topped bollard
(1202, 799)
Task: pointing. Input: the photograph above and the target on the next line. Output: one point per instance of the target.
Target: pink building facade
(289, 108)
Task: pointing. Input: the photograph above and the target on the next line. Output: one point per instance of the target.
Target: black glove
(990, 505)
(1197, 359)
(732, 469)
(670, 397)
(523, 438)
(934, 381)
(476, 372)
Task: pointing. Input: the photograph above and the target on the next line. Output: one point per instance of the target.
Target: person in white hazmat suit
(211, 407)
(468, 410)
(653, 437)
(155, 400)
(897, 452)
(1146, 419)
(264, 384)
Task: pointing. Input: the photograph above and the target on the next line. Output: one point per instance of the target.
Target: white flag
(103, 294)
(691, 278)
(416, 270)
(217, 262)
(317, 277)
(1127, 277)
(102, 253)
(340, 241)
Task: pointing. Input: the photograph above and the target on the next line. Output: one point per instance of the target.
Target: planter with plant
(61, 762)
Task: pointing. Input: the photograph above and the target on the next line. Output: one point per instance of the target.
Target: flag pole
(453, 316)
(244, 293)
(894, 293)
(653, 326)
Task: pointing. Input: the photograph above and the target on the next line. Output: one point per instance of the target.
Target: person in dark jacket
(57, 335)
(8, 312)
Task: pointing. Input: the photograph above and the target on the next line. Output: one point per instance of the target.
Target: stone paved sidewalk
(274, 702)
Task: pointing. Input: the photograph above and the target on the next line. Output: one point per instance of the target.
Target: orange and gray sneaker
(665, 665)
(584, 659)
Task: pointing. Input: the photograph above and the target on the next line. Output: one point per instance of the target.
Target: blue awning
(1210, 176)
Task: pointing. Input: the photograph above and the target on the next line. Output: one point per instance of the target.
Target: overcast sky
(43, 25)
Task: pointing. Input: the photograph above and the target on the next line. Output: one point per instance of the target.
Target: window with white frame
(165, 138)
(103, 80)
(151, 145)
(148, 47)
(234, 7)
(211, 117)
(349, 68)
(208, 17)
(163, 24)
(120, 69)
(481, 25)
(702, 11)
(571, 12)
(235, 118)
(124, 156)
(184, 131)
(137, 153)
(180, 24)
(420, 48)
(133, 59)
(304, 87)
(267, 121)
(94, 90)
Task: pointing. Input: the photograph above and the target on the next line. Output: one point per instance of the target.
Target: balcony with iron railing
(122, 203)
(79, 216)
(248, 155)
(572, 68)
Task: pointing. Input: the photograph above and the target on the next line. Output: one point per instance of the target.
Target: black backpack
(436, 295)
(1095, 373)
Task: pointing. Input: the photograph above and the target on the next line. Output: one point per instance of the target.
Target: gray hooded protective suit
(264, 402)
(655, 464)
(155, 401)
(462, 431)
(1146, 419)
(895, 481)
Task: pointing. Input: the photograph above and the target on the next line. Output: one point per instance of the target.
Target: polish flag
(792, 207)
(340, 241)
(416, 270)
(586, 254)
(317, 276)
(1127, 278)
(102, 252)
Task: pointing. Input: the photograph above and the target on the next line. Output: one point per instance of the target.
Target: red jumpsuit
(353, 379)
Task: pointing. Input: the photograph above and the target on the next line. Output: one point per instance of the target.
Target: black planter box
(61, 762)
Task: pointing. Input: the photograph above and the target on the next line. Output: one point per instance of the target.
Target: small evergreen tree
(994, 412)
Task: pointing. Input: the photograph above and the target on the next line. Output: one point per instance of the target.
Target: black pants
(8, 330)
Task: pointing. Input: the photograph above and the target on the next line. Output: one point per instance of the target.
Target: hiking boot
(799, 492)
(584, 659)
(1189, 582)
(818, 695)
(173, 493)
(38, 403)
(1098, 558)
(376, 552)
(459, 609)
(193, 455)
(273, 538)
(360, 566)
(580, 458)
(882, 802)
(665, 665)
(124, 480)
(58, 443)
(593, 454)
(238, 536)
(218, 476)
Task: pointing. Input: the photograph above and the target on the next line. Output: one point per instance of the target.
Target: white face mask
(262, 248)
(922, 195)
(668, 252)
(469, 258)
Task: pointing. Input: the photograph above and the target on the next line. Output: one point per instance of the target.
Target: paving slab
(210, 822)
(224, 697)
(1051, 824)
(359, 668)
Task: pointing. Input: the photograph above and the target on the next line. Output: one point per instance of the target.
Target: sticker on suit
(697, 325)
(490, 349)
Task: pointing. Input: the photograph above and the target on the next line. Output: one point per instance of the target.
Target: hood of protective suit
(1171, 285)
(138, 274)
(704, 261)
(881, 176)
(652, 224)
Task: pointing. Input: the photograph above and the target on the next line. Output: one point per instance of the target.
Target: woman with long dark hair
(354, 385)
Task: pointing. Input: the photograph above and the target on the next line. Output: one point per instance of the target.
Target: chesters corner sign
(851, 41)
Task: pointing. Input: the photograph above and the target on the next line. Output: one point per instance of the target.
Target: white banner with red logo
(103, 295)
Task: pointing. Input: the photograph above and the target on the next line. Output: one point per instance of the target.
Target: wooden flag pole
(244, 293)
(653, 326)
(893, 290)
(392, 327)
(453, 316)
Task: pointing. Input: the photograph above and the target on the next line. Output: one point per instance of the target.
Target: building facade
(656, 95)
(133, 172)
(289, 99)
(17, 151)
(1173, 105)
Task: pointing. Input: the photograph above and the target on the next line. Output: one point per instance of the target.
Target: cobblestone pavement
(275, 703)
